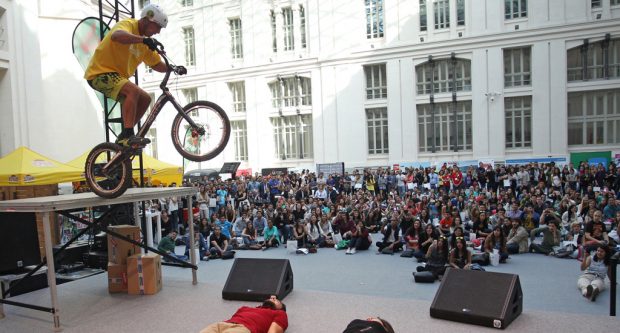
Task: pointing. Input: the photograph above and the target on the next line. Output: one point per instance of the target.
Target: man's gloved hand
(151, 43)
(180, 70)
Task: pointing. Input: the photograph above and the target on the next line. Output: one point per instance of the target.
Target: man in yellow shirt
(127, 45)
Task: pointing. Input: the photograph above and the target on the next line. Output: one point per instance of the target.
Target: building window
(594, 117)
(151, 149)
(460, 12)
(587, 61)
(191, 95)
(289, 39)
(596, 3)
(374, 19)
(377, 125)
(187, 3)
(442, 14)
(293, 136)
(236, 39)
(302, 26)
(291, 91)
(274, 39)
(515, 9)
(240, 139)
(518, 122)
(423, 24)
(190, 52)
(517, 68)
(237, 90)
(438, 74)
(439, 130)
(615, 2)
(376, 82)
(614, 58)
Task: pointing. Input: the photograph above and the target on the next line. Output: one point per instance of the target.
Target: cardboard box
(117, 278)
(144, 274)
(118, 249)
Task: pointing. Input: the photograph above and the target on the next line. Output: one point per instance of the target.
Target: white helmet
(155, 14)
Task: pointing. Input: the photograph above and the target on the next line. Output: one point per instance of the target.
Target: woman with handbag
(436, 258)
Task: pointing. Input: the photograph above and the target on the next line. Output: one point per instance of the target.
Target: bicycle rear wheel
(206, 141)
(116, 180)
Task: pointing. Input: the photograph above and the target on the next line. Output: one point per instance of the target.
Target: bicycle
(200, 131)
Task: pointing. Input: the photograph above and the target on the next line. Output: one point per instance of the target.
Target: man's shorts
(109, 84)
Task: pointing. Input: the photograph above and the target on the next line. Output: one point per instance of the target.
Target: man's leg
(135, 102)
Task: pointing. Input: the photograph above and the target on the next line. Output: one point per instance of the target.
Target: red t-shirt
(258, 320)
(446, 222)
(457, 178)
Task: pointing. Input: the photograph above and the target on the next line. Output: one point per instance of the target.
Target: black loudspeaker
(253, 279)
(480, 298)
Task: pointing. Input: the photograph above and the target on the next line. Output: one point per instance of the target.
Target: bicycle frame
(164, 98)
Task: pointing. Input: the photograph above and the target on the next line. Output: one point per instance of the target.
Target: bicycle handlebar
(159, 48)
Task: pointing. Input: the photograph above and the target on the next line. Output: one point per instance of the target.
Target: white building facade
(365, 82)
(374, 82)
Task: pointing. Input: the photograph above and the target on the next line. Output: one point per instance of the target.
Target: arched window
(439, 74)
(594, 61)
(293, 91)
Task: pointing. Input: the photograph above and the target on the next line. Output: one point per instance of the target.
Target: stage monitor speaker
(252, 279)
(480, 298)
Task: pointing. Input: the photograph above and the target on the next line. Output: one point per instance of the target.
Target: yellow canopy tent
(155, 171)
(26, 167)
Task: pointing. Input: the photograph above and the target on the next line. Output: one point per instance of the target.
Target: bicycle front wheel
(113, 182)
(208, 139)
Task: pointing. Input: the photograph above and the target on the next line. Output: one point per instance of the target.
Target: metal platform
(62, 204)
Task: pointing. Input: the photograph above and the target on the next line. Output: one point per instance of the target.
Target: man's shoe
(589, 290)
(353, 250)
(348, 251)
(133, 142)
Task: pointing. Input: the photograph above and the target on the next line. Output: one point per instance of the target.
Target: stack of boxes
(129, 271)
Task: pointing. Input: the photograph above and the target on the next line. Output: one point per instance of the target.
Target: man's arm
(125, 37)
(275, 328)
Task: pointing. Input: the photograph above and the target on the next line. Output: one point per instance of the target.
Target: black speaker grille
(256, 279)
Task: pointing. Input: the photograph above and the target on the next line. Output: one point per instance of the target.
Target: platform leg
(190, 222)
(51, 270)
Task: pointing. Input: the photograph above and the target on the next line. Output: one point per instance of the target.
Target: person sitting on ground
(204, 228)
(299, 233)
(596, 267)
(315, 238)
(359, 239)
(272, 237)
(595, 232)
(326, 231)
(436, 258)
(241, 223)
(260, 222)
(446, 223)
(496, 241)
(430, 234)
(167, 245)
(458, 232)
(269, 317)
(391, 237)
(370, 325)
(460, 255)
(414, 236)
(517, 240)
(199, 241)
(250, 236)
(219, 243)
(551, 238)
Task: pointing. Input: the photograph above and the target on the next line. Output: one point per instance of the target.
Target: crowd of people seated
(443, 216)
